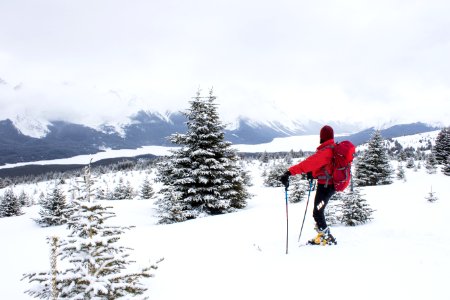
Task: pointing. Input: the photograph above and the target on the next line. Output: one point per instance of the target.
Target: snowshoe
(324, 237)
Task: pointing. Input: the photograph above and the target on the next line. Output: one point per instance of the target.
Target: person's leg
(323, 195)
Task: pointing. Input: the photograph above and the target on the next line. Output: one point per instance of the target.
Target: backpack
(342, 163)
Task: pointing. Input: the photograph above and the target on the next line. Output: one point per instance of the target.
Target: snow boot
(324, 237)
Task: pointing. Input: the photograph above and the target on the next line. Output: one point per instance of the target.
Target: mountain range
(22, 140)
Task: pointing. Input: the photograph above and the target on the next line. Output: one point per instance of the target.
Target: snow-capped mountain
(31, 127)
(26, 139)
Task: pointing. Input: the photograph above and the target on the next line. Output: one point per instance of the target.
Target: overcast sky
(100, 60)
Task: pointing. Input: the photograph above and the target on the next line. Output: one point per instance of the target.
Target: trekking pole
(306, 209)
(287, 221)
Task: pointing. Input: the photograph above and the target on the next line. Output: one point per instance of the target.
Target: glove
(309, 176)
(285, 178)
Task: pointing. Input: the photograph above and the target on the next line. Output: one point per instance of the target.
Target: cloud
(363, 61)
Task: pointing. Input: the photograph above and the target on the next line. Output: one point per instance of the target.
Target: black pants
(323, 194)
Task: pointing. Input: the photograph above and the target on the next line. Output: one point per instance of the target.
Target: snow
(418, 140)
(107, 153)
(403, 253)
(31, 126)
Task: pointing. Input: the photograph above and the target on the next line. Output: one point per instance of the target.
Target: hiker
(318, 166)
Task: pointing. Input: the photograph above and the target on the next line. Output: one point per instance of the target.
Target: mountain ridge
(65, 139)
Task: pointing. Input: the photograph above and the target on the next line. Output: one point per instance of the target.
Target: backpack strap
(327, 176)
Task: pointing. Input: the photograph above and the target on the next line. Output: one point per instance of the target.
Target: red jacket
(317, 163)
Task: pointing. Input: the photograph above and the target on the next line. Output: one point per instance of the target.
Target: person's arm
(313, 162)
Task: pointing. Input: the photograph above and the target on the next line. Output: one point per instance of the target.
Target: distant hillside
(391, 132)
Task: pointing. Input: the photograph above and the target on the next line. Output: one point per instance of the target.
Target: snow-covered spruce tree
(273, 174)
(431, 163)
(24, 200)
(441, 149)
(94, 266)
(401, 172)
(202, 176)
(54, 209)
(264, 158)
(410, 164)
(298, 189)
(288, 159)
(446, 168)
(10, 205)
(123, 190)
(147, 191)
(170, 205)
(431, 197)
(333, 211)
(372, 167)
(355, 209)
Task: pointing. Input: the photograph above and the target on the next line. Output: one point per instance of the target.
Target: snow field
(403, 253)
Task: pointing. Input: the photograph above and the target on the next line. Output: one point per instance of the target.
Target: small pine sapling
(10, 205)
(333, 211)
(431, 197)
(24, 199)
(355, 209)
(410, 164)
(373, 167)
(272, 178)
(299, 188)
(93, 266)
(54, 209)
(401, 172)
(147, 191)
(431, 163)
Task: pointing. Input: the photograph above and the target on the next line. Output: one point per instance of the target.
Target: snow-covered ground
(403, 253)
(417, 140)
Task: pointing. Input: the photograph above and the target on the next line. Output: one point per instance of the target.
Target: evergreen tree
(123, 191)
(86, 188)
(410, 164)
(298, 189)
(441, 149)
(431, 197)
(288, 158)
(202, 176)
(24, 200)
(274, 173)
(446, 169)
(170, 205)
(431, 163)
(54, 209)
(94, 267)
(147, 189)
(401, 172)
(10, 205)
(373, 168)
(264, 157)
(101, 194)
(355, 209)
(171, 208)
(333, 211)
